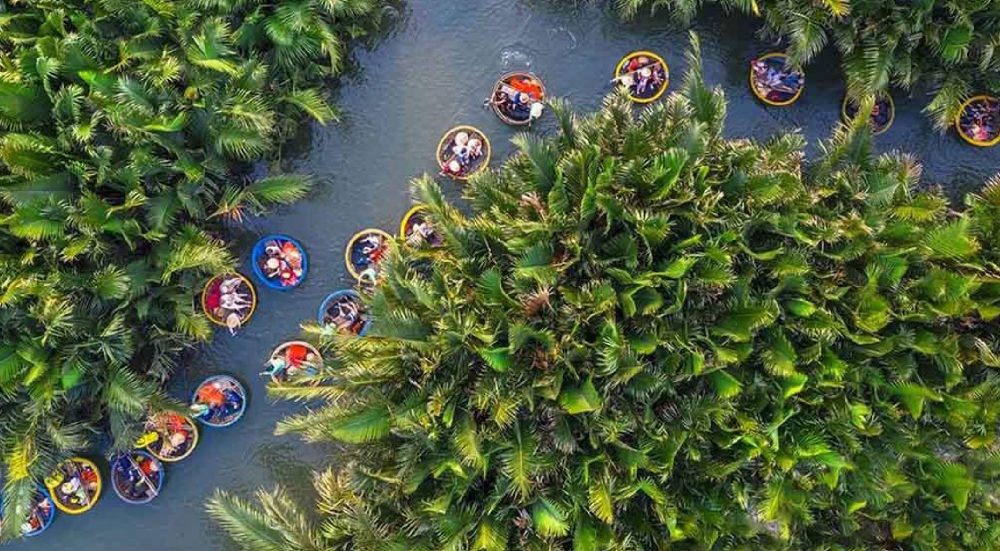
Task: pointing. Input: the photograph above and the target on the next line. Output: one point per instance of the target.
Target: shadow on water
(431, 70)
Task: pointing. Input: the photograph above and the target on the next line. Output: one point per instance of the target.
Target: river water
(431, 71)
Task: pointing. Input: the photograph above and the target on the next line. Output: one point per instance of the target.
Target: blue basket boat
(291, 259)
(324, 315)
(218, 415)
(137, 477)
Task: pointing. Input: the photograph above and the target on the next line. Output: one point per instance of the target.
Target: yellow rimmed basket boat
(75, 486)
(415, 229)
(882, 117)
(507, 86)
(978, 121)
(778, 98)
(475, 161)
(365, 251)
(659, 75)
(211, 296)
(170, 436)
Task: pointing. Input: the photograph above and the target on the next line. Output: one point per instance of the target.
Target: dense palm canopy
(126, 129)
(949, 49)
(649, 336)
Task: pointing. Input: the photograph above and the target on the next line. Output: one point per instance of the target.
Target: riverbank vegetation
(647, 332)
(949, 51)
(127, 134)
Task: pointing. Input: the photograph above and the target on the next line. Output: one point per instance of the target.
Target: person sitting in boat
(644, 82)
(373, 247)
(76, 487)
(368, 278)
(421, 232)
(72, 493)
(216, 400)
(453, 169)
(348, 311)
(981, 120)
(528, 86)
(775, 84)
(636, 63)
(296, 360)
(521, 105)
(282, 261)
(502, 101)
(475, 148)
(173, 435)
(461, 148)
(234, 321)
(234, 302)
(41, 510)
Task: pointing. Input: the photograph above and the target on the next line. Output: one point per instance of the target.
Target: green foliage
(817, 372)
(124, 130)
(950, 49)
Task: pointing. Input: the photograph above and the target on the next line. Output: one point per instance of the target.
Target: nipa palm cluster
(949, 50)
(648, 336)
(126, 132)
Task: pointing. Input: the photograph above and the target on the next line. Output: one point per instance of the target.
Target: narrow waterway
(431, 72)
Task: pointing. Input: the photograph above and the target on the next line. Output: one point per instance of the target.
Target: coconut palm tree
(648, 336)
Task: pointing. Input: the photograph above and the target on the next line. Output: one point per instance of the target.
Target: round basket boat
(170, 436)
(137, 477)
(75, 486)
(504, 97)
(460, 156)
(978, 121)
(644, 74)
(416, 229)
(344, 311)
(883, 113)
(792, 81)
(293, 360)
(227, 295)
(41, 515)
(280, 262)
(365, 252)
(219, 401)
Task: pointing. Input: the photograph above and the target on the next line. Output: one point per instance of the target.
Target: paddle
(145, 479)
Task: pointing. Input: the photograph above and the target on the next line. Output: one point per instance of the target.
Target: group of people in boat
(418, 229)
(980, 120)
(282, 262)
(776, 80)
(218, 401)
(465, 151)
(880, 118)
(169, 436)
(40, 513)
(643, 76)
(137, 477)
(293, 360)
(345, 314)
(75, 485)
(368, 252)
(519, 98)
(229, 299)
